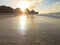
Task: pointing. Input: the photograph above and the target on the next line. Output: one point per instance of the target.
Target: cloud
(56, 7)
(57, 4)
(35, 3)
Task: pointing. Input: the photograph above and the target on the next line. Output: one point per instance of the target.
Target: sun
(23, 5)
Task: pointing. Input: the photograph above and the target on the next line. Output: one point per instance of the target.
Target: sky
(42, 6)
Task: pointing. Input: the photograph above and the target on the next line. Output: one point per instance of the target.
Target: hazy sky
(42, 6)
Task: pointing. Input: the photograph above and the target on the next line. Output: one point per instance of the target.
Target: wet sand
(29, 30)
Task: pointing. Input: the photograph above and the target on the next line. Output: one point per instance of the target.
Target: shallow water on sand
(29, 30)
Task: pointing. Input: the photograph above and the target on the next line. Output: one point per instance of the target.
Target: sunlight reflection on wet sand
(22, 24)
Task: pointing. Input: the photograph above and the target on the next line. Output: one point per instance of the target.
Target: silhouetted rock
(6, 9)
(27, 11)
(32, 12)
(36, 12)
(18, 10)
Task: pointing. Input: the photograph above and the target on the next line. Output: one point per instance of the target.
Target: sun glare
(23, 5)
